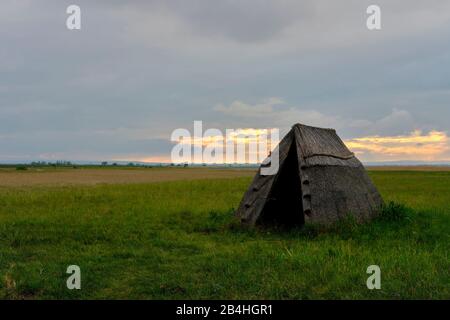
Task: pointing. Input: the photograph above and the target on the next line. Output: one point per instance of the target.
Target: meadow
(176, 238)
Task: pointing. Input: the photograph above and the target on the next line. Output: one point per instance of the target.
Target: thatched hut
(318, 180)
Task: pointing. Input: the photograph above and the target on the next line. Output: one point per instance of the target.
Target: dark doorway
(284, 206)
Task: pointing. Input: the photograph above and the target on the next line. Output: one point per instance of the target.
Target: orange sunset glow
(414, 146)
(431, 146)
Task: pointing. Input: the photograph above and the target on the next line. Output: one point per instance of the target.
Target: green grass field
(177, 240)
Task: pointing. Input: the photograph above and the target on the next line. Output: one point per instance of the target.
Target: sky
(138, 70)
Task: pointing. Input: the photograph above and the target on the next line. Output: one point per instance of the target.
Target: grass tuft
(395, 212)
(217, 221)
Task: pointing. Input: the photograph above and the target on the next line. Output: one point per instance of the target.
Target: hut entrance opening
(285, 198)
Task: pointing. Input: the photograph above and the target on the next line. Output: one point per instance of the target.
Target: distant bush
(21, 168)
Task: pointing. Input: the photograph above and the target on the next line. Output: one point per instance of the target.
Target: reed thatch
(318, 180)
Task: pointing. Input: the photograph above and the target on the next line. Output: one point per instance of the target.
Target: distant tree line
(58, 163)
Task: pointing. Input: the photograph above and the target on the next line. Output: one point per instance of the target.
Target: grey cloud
(244, 21)
(137, 70)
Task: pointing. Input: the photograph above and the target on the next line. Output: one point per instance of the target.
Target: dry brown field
(10, 177)
(91, 176)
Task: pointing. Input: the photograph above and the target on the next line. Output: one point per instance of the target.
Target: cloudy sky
(137, 70)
